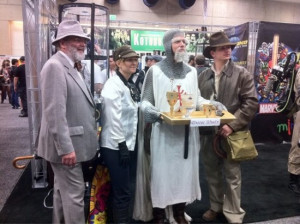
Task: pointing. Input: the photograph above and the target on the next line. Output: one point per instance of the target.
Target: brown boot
(178, 213)
(158, 215)
(210, 215)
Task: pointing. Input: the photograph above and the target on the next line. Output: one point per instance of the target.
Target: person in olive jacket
(233, 86)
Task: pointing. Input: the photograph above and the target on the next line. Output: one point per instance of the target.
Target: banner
(143, 40)
(269, 125)
(239, 34)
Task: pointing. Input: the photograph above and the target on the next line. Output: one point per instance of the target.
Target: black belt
(186, 141)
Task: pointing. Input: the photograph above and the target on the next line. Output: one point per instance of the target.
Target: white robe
(172, 178)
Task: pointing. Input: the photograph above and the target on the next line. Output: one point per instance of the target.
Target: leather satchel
(241, 146)
(238, 146)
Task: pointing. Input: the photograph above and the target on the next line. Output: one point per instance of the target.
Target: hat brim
(130, 55)
(207, 50)
(76, 35)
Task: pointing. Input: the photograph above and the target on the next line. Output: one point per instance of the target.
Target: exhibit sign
(239, 35)
(144, 40)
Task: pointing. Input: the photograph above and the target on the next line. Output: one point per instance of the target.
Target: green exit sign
(112, 17)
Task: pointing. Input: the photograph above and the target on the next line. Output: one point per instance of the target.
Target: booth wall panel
(5, 38)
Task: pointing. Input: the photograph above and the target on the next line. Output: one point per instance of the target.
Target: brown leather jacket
(236, 91)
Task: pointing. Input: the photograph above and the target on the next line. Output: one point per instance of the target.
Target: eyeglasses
(131, 60)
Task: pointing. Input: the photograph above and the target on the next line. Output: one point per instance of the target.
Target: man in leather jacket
(233, 86)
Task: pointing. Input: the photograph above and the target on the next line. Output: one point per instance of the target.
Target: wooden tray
(177, 118)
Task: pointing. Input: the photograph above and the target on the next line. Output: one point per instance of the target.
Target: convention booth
(254, 50)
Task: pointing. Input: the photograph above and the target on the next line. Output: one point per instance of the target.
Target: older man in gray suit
(68, 127)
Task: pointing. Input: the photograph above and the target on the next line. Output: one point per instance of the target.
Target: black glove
(124, 154)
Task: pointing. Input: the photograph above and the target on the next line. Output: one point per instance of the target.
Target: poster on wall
(118, 38)
(197, 41)
(268, 125)
(239, 34)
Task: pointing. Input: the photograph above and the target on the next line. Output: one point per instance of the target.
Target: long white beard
(181, 56)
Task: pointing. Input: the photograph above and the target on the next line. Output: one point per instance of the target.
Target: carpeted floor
(264, 193)
(14, 142)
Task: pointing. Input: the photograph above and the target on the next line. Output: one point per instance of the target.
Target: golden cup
(172, 98)
(209, 110)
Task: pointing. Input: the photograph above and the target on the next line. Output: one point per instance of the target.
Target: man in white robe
(164, 176)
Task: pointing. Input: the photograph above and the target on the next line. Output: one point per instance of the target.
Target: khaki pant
(225, 196)
(294, 154)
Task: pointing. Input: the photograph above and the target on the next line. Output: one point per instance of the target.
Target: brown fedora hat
(217, 39)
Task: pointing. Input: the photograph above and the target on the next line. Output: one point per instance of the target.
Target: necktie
(78, 66)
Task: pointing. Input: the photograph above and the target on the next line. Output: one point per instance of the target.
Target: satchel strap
(217, 146)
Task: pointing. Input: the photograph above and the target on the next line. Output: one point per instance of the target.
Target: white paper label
(201, 122)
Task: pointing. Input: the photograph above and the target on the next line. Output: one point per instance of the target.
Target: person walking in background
(233, 86)
(165, 179)
(140, 79)
(5, 74)
(68, 132)
(102, 76)
(191, 61)
(20, 86)
(119, 130)
(294, 154)
(200, 64)
(14, 95)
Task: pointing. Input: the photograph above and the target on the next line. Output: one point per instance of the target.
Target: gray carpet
(14, 142)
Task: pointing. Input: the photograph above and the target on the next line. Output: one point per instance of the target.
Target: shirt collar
(224, 68)
(68, 58)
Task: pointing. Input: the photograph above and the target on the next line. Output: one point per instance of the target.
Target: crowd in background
(13, 84)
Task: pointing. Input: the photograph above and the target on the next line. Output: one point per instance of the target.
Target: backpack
(286, 104)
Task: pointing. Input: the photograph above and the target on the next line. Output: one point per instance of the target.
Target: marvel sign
(267, 108)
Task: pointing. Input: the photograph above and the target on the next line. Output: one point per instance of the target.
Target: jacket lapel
(74, 74)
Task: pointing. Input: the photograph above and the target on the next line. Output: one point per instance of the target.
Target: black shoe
(294, 188)
(294, 184)
(23, 115)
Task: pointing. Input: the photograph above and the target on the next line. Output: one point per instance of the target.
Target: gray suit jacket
(68, 113)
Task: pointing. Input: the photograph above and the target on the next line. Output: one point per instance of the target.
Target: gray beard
(181, 57)
(76, 56)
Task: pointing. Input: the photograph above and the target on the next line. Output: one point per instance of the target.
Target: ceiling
(291, 1)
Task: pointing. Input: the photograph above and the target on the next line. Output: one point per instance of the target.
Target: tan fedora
(69, 28)
(217, 39)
